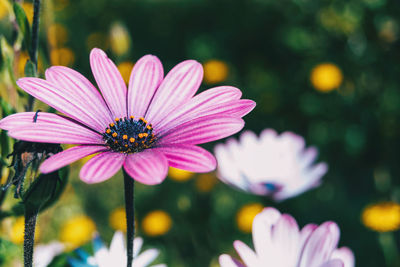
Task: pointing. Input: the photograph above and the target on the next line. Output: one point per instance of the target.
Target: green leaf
(23, 24)
(30, 69)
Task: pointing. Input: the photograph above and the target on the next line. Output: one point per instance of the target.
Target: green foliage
(23, 24)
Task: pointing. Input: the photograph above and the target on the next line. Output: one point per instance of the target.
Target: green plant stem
(29, 237)
(34, 44)
(389, 248)
(130, 216)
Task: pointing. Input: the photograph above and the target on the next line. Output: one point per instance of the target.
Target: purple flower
(274, 165)
(278, 242)
(155, 123)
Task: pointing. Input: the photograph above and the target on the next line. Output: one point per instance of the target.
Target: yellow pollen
(124, 137)
(112, 124)
(116, 119)
(140, 135)
(131, 139)
(115, 142)
(145, 134)
(126, 145)
(149, 127)
(114, 135)
(131, 117)
(108, 131)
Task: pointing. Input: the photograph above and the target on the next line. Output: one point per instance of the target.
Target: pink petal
(65, 101)
(305, 234)
(148, 167)
(320, 245)
(228, 261)
(246, 254)
(101, 167)
(345, 255)
(189, 157)
(48, 128)
(109, 81)
(146, 76)
(68, 156)
(83, 92)
(180, 84)
(198, 105)
(203, 130)
(333, 263)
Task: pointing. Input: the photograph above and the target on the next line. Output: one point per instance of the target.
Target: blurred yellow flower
(28, 8)
(21, 61)
(119, 39)
(97, 39)
(62, 56)
(215, 71)
(382, 217)
(179, 175)
(5, 8)
(246, 214)
(57, 35)
(156, 223)
(17, 231)
(125, 69)
(77, 231)
(117, 219)
(326, 77)
(205, 182)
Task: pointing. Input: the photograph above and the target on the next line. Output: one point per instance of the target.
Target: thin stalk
(389, 248)
(35, 43)
(29, 237)
(130, 216)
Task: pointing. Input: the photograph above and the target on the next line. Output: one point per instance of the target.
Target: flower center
(128, 135)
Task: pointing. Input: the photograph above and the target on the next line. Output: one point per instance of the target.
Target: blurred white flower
(115, 256)
(275, 165)
(45, 253)
(278, 242)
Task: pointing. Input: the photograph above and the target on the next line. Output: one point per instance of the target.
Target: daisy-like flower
(278, 242)
(115, 256)
(45, 253)
(155, 123)
(275, 165)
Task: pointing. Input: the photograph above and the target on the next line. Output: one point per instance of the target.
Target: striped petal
(148, 167)
(68, 156)
(146, 76)
(109, 81)
(102, 167)
(189, 157)
(48, 128)
(246, 254)
(228, 261)
(179, 85)
(65, 101)
(83, 92)
(202, 130)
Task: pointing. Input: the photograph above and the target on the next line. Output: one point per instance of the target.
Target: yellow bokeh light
(57, 35)
(326, 77)
(215, 71)
(5, 8)
(245, 216)
(156, 223)
(77, 231)
(117, 219)
(125, 69)
(62, 56)
(179, 175)
(119, 39)
(28, 8)
(205, 182)
(382, 217)
(16, 234)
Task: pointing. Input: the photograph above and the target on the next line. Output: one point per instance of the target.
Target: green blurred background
(268, 49)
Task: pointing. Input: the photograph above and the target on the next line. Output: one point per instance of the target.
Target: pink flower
(275, 165)
(155, 123)
(279, 242)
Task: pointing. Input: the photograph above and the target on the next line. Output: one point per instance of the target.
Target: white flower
(115, 256)
(278, 242)
(45, 253)
(275, 165)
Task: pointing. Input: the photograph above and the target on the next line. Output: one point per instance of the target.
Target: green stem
(389, 248)
(29, 237)
(130, 216)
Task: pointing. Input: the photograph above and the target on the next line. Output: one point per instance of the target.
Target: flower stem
(34, 44)
(389, 247)
(130, 216)
(29, 237)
